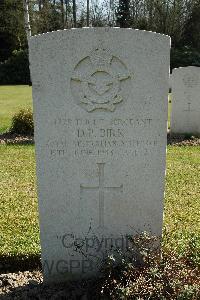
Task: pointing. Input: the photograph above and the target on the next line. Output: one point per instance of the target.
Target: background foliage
(15, 70)
(178, 18)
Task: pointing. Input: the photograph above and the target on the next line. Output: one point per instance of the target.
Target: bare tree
(88, 12)
(62, 13)
(66, 12)
(74, 12)
(27, 19)
(40, 4)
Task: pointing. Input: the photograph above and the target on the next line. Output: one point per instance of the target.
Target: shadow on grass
(11, 263)
(16, 139)
(183, 139)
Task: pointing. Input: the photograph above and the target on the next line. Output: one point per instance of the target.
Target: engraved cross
(188, 111)
(101, 188)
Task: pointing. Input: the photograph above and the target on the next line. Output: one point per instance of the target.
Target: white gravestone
(185, 114)
(100, 109)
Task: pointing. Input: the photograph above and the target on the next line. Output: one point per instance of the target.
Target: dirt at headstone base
(29, 285)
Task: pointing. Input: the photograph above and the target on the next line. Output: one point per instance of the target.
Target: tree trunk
(66, 12)
(27, 19)
(74, 12)
(62, 13)
(40, 4)
(88, 12)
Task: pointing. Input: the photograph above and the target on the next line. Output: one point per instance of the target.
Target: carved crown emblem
(96, 82)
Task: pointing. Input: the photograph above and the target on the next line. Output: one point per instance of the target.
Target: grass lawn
(182, 197)
(19, 228)
(12, 98)
(19, 233)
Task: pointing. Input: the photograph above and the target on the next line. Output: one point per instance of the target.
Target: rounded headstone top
(188, 68)
(99, 29)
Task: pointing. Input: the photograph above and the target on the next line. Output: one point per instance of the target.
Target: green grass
(19, 233)
(182, 197)
(12, 98)
(19, 228)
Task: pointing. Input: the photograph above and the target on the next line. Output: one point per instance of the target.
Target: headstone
(185, 114)
(100, 109)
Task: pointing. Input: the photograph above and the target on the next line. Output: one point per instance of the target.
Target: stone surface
(100, 109)
(185, 114)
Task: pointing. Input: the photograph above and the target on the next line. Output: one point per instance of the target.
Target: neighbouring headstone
(185, 112)
(100, 109)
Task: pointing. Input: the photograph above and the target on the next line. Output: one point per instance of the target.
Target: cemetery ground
(19, 229)
(13, 98)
